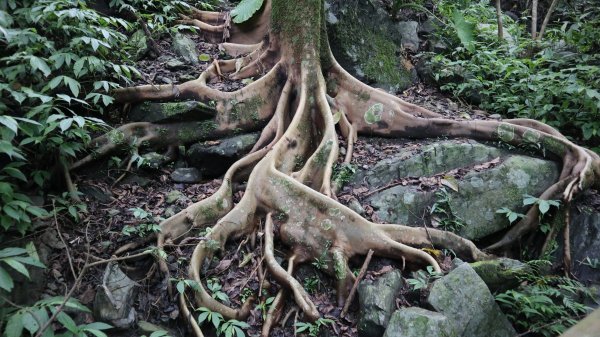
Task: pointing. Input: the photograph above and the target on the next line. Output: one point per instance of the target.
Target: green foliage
(312, 284)
(215, 287)
(511, 215)
(143, 228)
(543, 205)
(264, 306)
(24, 321)
(228, 328)
(245, 10)
(17, 259)
(312, 328)
(58, 62)
(592, 263)
(555, 80)
(443, 215)
(422, 278)
(206, 315)
(159, 333)
(342, 173)
(233, 328)
(544, 305)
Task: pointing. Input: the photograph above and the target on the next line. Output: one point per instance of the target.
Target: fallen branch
(361, 273)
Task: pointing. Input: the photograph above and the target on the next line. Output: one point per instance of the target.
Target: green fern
(245, 10)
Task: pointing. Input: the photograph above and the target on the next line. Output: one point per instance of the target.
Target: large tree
(300, 104)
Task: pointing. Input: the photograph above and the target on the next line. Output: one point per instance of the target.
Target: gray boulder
(408, 32)
(171, 112)
(463, 297)
(585, 245)
(377, 302)
(115, 297)
(213, 158)
(480, 192)
(186, 48)
(501, 274)
(367, 43)
(186, 175)
(418, 322)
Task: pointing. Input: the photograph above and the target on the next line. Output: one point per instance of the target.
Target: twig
(69, 258)
(361, 273)
(567, 242)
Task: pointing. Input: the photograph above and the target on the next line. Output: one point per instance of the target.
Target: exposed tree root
(290, 167)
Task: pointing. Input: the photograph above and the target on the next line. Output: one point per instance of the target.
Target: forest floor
(111, 208)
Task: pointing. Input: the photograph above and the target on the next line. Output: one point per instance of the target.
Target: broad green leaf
(544, 206)
(14, 326)
(39, 64)
(245, 10)
(6, 282)
(10, 123)
(15, 173)
(74, 86)
(464, 30)
(30, 323)
(16, 265)
(12, 251)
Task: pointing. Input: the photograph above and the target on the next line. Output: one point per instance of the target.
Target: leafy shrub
(59, 61)
(555, 81)
(545, 305)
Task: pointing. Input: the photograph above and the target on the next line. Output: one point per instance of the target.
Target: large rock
(368, 43)
(501, 274)
(213, 158)
(418, 322)
(115, 297)
(377, 302)
(186, 48)
(480, 193)
(171, 112)
(585, 244)
(463, 297)
(408, 32)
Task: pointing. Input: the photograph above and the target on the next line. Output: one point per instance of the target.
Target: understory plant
(545, 305)
(555, 80)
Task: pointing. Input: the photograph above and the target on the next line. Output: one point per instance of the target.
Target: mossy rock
(418, 322)
(377, 302)
(480, 192)
(464, 298)
(368, 43)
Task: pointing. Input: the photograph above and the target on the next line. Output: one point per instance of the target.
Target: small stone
(163, 79)
(115, 297)
(342, 151)
(174, 196)
(187, 175)
(495, 116)
(187, 77)
(186, 48)
(175, 64)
